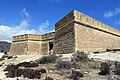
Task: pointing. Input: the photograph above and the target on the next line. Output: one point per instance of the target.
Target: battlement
(33, 37)
(78, 17)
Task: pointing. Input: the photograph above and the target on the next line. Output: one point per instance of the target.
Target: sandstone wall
(88, 34)
(90, 39)
(88, 21)
(24, 37)
(44, 47)
(31, 44)
(33, 47)
(64, 41)
(19, 48)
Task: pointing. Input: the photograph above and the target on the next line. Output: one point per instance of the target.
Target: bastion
(76, 31)
(32, 44)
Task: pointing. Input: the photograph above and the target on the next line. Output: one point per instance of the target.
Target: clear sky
(39, 16)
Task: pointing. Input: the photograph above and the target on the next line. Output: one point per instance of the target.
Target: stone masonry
(29, 44)
(76, 31)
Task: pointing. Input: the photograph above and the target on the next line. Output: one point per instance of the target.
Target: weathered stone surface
(64, 41)
(76, 31)
(89, 35)
(31, 44)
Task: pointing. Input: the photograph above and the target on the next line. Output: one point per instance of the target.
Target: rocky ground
(60, 67)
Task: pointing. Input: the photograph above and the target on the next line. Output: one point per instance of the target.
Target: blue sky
(39, 16)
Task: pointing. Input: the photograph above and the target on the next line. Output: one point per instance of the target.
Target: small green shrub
(80, 56)
(47, 59)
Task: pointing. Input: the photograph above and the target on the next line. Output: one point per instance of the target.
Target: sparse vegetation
(105, 68)
(80, 56)
(16, 71)
(48, 78)
(1, 59)
(9, 57)
(64, 65)
(47, 59)
(76, 75)
(94, 65)
(5, 53)
(47, 67)
(4, 56)
(27, 64)
(117, 68)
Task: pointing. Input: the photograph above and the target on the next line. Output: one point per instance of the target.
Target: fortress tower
(77, 31)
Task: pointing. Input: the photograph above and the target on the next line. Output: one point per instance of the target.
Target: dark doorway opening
(50, 46)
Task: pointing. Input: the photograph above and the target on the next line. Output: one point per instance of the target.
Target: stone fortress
(76, 31)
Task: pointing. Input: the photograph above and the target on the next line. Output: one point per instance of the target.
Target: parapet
(78, 17)
(33, 37)
(48, 36)
(26, 37)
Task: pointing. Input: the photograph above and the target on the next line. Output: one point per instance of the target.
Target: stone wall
(86, 20)
(24, 37)
(31, 44)
(90, 39)
(64, 41)
(33, 47)
(19, 48)
(44, 47)
(88, 34)
(76, 31)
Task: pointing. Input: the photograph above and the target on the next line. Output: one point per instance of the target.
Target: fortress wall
(92, 35)
(48, 36)
(64, 21)
(90, 39)
(33, 47)
(64, 41)
(88, 34)
(45, 47)
(84, 19)
(31, 44)
(25, 37)
(19, 48)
